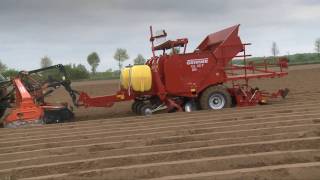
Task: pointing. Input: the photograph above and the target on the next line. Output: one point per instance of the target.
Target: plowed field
(276, 141)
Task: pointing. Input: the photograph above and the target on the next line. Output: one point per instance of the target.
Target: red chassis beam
(255, 76)
(103, 101)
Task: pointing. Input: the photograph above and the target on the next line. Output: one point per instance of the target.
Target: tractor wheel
(215, 97)
(146, 110)
(134, 106)
(138, 107)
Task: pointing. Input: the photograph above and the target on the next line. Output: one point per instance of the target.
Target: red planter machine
(196, 80)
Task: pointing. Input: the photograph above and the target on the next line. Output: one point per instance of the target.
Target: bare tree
(317, 46)
(45, 62)
(274, 49)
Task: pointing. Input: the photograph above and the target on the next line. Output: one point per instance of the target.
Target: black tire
(52, 116)
(215, 97)
(146, 110)
(138, 107)
(134, 106)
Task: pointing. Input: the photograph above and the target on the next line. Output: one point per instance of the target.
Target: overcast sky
(68, 30)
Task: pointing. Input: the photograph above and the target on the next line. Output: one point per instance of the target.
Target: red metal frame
(103, 101)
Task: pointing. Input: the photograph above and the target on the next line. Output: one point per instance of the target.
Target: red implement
(185, 81)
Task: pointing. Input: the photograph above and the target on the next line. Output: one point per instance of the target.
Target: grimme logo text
(197, 61)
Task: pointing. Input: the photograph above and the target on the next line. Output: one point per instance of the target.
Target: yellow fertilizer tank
(139, 77)
(124, 77)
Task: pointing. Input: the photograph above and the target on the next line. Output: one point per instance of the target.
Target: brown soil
(276, 141)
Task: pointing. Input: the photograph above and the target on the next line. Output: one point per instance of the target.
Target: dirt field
(276, 141)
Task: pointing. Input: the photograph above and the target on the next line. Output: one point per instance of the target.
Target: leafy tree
(45, 62)
(82, 68)
(139, 60)
(317, 46)
(93, 60)
(121, 55)
(274, 49)
(10, 73)
(77, 72)
(3, 67)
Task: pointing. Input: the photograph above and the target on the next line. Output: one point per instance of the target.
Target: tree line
(294, 59)
(120, 56)
(79, 71)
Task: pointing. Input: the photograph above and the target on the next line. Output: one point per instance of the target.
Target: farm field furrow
(280, 140)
